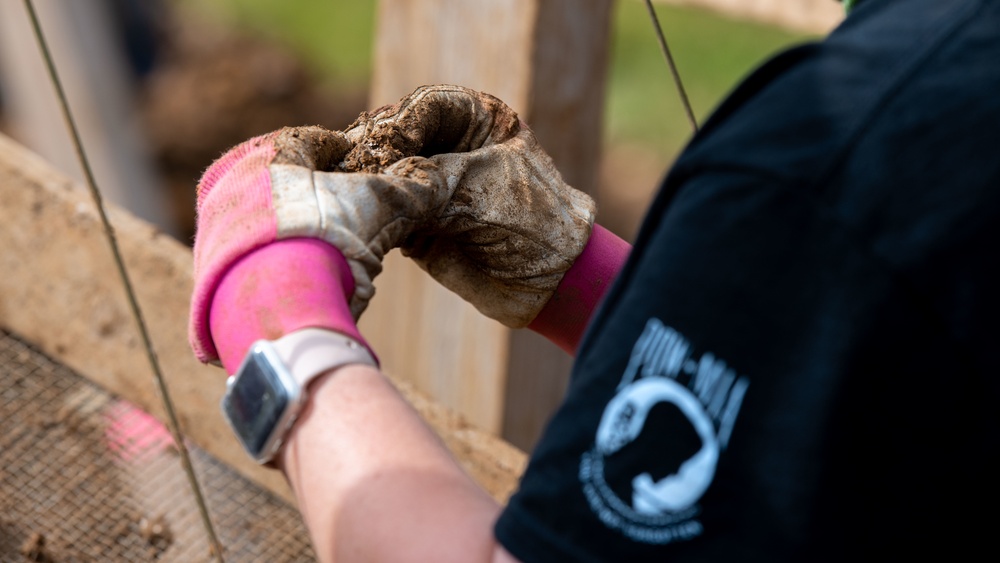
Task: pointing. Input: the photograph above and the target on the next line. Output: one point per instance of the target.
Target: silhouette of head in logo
(660, 447)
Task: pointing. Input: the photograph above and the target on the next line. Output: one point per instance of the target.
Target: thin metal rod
(133, 302)
(673, 67)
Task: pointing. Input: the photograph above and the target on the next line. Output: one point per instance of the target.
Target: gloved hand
(279, 187)
(512, 227)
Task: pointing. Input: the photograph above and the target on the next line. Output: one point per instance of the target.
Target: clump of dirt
(213, 89)
(33, 549)
(432, 120)
(379, 140)
(367, 156)
(311, 146)
(156, 532)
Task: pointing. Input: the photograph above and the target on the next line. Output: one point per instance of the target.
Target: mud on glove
(512, 227)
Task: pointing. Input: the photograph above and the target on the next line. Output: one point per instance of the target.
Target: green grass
(712, 55)
(335, 38)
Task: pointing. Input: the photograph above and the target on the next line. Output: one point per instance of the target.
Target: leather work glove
(281, 187)
(512, 227)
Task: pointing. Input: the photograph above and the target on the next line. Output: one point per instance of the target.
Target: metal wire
(673, 67)
(173, 424)
(94, 478)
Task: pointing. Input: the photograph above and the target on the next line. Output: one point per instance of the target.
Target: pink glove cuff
(276, 289)
(234, 208)
(567, 313)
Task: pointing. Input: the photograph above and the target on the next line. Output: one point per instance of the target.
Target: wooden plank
(545, 59)
(61, 292)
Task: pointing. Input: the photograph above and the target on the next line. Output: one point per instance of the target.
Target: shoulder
(885, 124)
(800, 116)
(801, 291)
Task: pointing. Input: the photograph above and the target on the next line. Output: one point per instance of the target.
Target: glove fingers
(312, 147)
(445, 118)
(471, 266)
(432, 120)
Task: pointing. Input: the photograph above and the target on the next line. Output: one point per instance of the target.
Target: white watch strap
(311, 351)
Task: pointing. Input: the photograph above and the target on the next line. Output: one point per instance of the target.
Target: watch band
(312, 351)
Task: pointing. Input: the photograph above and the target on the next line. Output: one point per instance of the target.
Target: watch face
(258, 398)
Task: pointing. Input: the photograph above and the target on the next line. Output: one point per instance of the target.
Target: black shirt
(799, 360)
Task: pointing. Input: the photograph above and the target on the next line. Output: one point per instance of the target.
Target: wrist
(317, 416)
(565, 316)
(278, 289)
(268, 392)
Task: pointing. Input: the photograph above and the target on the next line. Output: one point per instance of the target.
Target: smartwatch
(265, 395)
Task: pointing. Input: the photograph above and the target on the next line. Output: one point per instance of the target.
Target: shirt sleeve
(704, 386)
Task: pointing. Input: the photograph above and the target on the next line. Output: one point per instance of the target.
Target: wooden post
(546, 59)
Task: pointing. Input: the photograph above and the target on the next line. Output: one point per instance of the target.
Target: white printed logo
(655, 506)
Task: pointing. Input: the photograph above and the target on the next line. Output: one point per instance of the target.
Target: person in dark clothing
(793, 363)
(828, 235)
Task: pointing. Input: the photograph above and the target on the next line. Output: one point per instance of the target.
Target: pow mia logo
(665, 394)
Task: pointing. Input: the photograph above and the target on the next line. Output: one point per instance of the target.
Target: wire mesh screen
(87, 477)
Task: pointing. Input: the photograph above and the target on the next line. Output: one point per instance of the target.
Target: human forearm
(375, 484)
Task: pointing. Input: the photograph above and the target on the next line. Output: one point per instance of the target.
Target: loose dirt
(33, 548)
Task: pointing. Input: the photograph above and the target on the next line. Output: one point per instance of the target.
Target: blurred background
(167, 85)
(160, 88)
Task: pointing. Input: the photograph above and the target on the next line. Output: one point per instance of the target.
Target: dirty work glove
(512, 228)
(277, 187)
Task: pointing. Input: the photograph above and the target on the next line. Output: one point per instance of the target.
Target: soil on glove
(376, 147)
(311, 147)
(432, 120)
